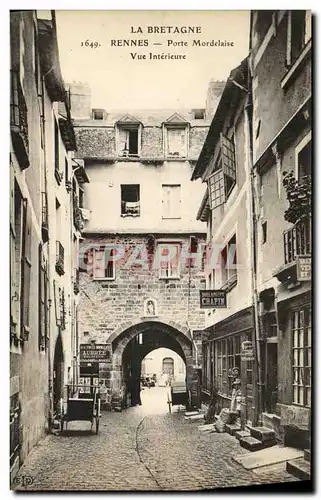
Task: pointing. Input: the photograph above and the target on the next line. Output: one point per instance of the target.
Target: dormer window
(128, 135)
(98, 114)
(175, 137)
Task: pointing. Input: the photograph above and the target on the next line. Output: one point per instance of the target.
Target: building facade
(224, 165)
(140, 289)
(282, 143)
(259, 196)
(43, 236)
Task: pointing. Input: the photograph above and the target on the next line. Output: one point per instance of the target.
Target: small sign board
(95, 353)
(303, 268)
(213, 299)
(247, 351)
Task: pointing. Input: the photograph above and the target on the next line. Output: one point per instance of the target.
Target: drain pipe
(253, 237)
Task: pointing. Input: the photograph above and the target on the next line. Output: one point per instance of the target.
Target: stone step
(307, 455)
(250, 443)
(232, 428)
(253, 444)
(299, 468)
(191, 413)
(262, 433)
(242, 434)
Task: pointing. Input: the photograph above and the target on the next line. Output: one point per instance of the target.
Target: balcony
(60, 258)
(76, 282)
(297, 245)
(19, 121)
(44, 221)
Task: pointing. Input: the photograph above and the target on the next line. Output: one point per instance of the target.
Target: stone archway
(135, 341)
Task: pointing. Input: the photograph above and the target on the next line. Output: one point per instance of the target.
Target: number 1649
(92, 45)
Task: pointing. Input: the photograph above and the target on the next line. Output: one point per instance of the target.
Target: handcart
(178, 395)
(83, 403)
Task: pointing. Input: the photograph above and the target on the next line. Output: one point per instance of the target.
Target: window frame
(177, 126)
(103, 278)
(228, 273)
(171, 215)
(166, 244)
(225, 361)
(127, 127)
(298, 361)
(126, 214)
(225, 170)
(305, 141)
(290, 58)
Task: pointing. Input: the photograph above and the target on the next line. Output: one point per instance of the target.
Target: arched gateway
(132, 342)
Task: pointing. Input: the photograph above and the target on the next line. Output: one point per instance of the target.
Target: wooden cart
(177, 395)
(82, 406)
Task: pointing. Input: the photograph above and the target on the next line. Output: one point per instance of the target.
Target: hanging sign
(212, 299)
(303, 268)
(247, 351)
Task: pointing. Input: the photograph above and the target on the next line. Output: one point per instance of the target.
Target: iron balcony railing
(60, 258)
(19, 120)
(297, 240)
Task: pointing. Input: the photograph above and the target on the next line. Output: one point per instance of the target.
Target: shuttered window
(176, 142)
(26, 270)
(171, 201)
(43, 301)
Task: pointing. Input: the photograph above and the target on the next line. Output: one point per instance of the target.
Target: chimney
(214, 92)
(80, 100)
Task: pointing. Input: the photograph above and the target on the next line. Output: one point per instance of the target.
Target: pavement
(144, 448)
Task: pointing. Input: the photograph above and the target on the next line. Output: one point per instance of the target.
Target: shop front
(228, 363)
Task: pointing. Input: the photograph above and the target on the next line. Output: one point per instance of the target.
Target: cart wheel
(97, 424)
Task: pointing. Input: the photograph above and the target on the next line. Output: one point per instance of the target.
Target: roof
(230, 92)
(148, 117)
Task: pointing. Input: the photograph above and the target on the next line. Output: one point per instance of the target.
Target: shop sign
(247, 351)
(303, 268)
(95, 353)
(212, 299)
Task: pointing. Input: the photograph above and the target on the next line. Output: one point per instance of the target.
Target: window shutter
(216, 188)
(42, 302)
(99, 270)
(228, 157)
(26, 268)
(166, 201)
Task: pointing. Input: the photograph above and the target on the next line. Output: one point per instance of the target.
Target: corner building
(140, 198)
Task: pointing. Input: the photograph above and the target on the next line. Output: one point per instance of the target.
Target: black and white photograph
(160, 250)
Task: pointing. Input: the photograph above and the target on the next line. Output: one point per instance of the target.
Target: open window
(228, 263)
(223, 179)
(104, 264)
(130, 200)
(304, 162)
(128, 140)
(299, 33)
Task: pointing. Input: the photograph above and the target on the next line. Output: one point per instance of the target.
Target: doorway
(58, 376)
(271, 374)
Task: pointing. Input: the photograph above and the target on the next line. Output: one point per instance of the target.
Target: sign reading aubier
(212, 298)
(95, 353)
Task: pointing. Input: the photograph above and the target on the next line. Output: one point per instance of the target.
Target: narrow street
(142, 448)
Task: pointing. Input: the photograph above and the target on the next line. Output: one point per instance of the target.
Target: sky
(118, 82)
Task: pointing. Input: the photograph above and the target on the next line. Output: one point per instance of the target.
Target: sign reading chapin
(212, 298)
(95, 353)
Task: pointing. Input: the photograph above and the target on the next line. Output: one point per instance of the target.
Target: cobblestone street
(142, 448)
